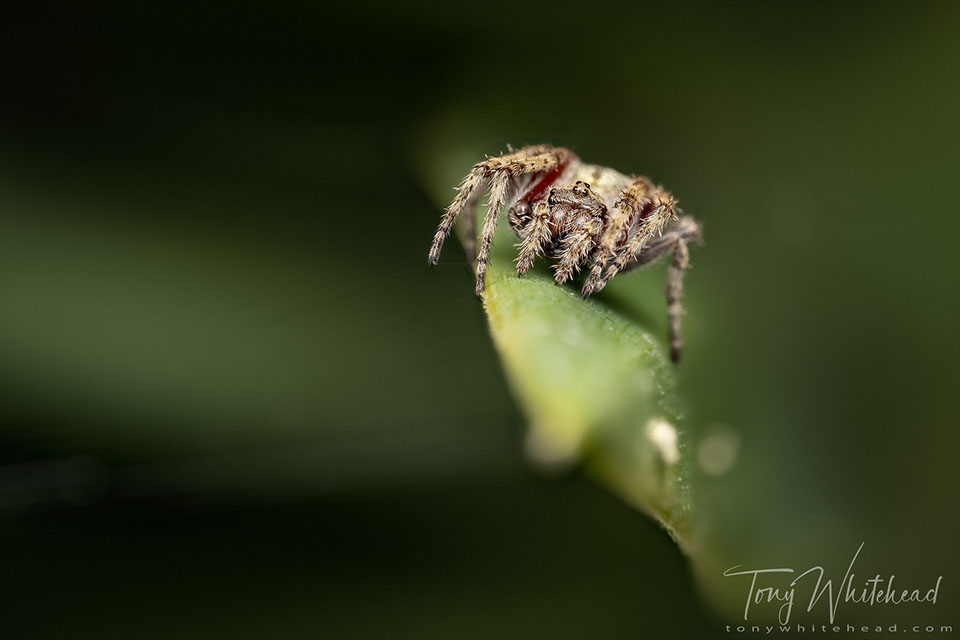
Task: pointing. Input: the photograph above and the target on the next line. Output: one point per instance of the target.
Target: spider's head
(520, 214)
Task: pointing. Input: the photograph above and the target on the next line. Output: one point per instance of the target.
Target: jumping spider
(579, 214)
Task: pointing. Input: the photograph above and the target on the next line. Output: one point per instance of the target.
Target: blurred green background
(235, 401)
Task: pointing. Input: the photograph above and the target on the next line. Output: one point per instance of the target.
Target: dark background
(235, 402)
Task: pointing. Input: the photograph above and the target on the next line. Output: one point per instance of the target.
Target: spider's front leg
(500, 171)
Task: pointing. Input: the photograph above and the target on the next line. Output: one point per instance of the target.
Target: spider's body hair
(578, 214)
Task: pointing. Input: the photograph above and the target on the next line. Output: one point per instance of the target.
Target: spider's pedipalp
(533, 238)
(576, 246)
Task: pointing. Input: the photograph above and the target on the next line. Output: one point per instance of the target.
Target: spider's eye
(520, 212)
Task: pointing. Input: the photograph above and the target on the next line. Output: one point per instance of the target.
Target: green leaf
(596, 388)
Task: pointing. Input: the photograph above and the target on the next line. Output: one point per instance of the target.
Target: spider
(579, 214)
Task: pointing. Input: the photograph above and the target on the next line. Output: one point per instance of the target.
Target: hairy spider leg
(646, 223)
(528, 159)
(675, 239)
(498, 191)
(630, 204)
(500, 170)
(536, 234)
(678, 267)
(547, 159)
(470, 183)
(470, 235)
(686, 228)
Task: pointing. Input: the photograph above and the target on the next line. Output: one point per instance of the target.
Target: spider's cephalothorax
(580, 215)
